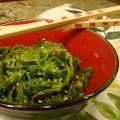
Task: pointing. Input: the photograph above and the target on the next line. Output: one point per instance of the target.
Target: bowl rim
(70, 102)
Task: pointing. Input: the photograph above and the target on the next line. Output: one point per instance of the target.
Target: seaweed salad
(45, 73)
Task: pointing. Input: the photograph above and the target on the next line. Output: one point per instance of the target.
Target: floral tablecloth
(106, 106)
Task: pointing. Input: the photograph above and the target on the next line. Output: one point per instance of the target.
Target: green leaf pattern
(116, 100)
(108, 111)
(113, 35)
(83, 115)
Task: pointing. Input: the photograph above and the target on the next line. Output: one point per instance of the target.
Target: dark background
(8, 0)
(115, 1)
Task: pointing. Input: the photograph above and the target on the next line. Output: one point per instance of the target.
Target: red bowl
(92, 49)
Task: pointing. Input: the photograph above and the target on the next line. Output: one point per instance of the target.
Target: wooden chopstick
(91, 24)
(63, 20)
(83, 24)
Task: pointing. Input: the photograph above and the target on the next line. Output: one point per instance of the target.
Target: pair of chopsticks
(71, 22)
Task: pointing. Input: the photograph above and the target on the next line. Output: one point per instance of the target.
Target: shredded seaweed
(45, 73)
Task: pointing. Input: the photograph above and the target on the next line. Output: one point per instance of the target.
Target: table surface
(11, 11)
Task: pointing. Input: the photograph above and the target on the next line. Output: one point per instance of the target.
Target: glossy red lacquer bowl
(92, 49)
